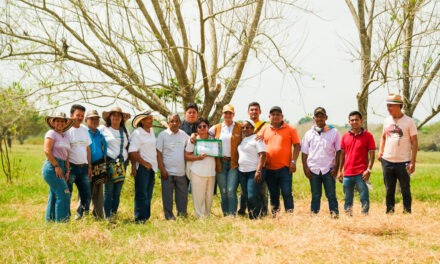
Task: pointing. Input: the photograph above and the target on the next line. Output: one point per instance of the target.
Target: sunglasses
(202, 126)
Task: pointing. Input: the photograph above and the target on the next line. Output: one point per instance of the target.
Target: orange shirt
(279, 143)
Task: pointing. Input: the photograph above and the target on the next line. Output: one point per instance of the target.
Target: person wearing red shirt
(357, 158)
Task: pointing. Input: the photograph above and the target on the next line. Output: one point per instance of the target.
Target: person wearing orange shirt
(282, 148)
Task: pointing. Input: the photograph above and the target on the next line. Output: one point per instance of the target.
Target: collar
(326, 128)
(360, 132)
(97, 132)
(283, 124)
(168, 130)
(232, 125)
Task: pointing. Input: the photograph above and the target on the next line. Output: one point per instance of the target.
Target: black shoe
(241, 212)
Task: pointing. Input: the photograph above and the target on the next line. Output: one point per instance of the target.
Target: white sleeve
(134, 142)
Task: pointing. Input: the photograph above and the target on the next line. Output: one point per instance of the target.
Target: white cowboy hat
(138, 118)
(59, 115)
(394, 99)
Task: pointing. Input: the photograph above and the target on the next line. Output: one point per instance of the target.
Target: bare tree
(398, 46)
(142, 52)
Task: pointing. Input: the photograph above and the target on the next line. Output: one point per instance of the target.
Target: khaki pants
(202, 192)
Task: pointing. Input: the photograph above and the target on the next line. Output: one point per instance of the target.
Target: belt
(226, 158)
(79, 165)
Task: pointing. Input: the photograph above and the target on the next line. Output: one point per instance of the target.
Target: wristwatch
(293, 161)
(369, 170)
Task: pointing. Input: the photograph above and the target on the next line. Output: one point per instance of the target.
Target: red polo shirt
(356, 149)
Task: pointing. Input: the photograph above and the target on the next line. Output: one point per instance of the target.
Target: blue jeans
(391, 173)
(58, 204)
(276, 180)
(348, 184)
(112, 195)
(79, 176)
(252, 192)
(227, 181)
(329, 183)
(143, 192)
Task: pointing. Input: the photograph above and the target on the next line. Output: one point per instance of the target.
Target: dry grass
(297, 238)
(377, 238)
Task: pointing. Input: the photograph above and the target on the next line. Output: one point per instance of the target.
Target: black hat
(319, 110)
(275, 108)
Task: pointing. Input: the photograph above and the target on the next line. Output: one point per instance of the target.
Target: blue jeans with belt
(227, 181)
(143, 192)
(80, 176)
(58, 204)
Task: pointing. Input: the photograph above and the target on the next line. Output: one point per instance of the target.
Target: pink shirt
(398, 143)
(321, 149)
(61, 144)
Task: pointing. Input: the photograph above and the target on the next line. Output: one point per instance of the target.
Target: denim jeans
(143, 192)
(79, 176)
(58, 204)
(252, 192)
(112, 195)
(276, 180)
(227, 181)
(391, 173)
(348, 184)
(329, 183)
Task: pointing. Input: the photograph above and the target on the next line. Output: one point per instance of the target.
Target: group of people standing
(259, 156)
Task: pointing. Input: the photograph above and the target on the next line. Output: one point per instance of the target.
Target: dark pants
(391, 173)
(179, 186)
(278, 180)
(79, 176)
(143, 192)
(316, 183)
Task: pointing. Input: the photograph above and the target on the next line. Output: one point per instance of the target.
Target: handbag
(116, 171)
(99, 172)
(116, 168)
(99, 168)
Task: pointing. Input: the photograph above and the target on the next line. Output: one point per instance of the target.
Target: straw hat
(117, 109)
(92, 113)
(394, 99)
(138, 118)
(59, 115)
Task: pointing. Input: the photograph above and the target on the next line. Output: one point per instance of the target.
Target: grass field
(299, 238)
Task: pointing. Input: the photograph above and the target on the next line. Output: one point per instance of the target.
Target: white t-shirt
(225, 137)
(248, 153)
(172, 147)
(113, 138)
(203, 168)
(398, 143)
(79, 141)
(145, 144)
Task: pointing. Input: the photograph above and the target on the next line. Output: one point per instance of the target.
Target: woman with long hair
(117, 138)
